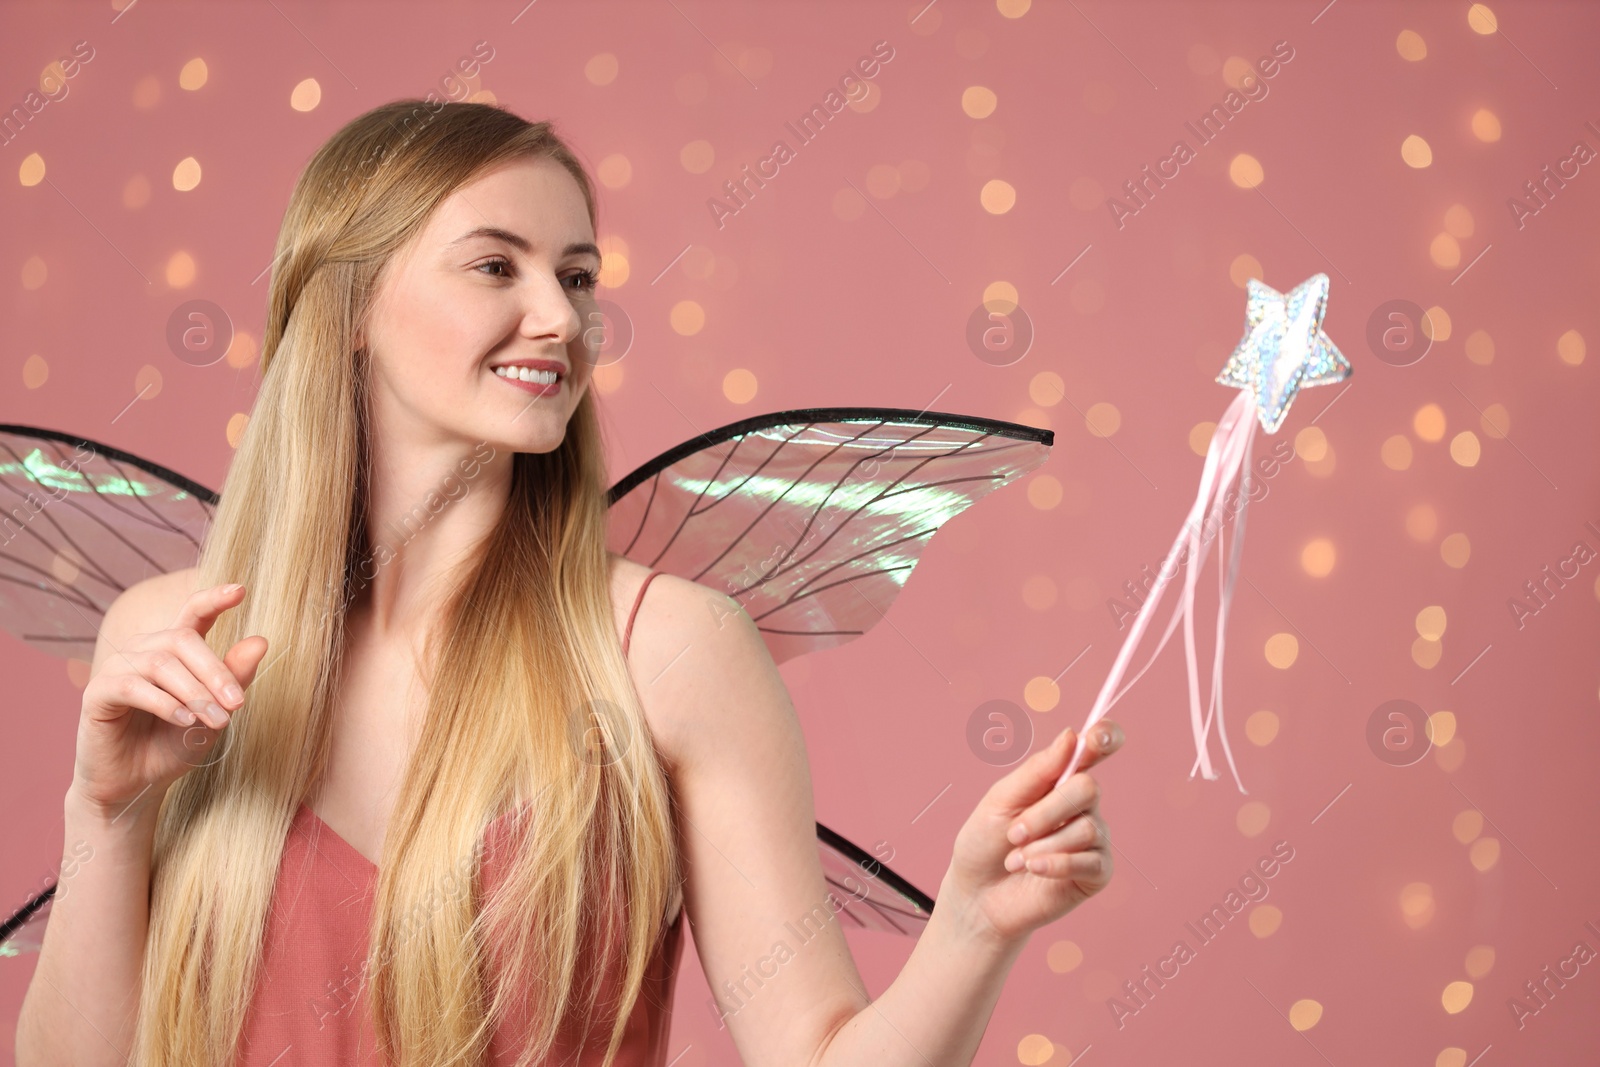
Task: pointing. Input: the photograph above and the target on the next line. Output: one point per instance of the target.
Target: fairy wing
(81, 522)
(844, 497)
(812, 521)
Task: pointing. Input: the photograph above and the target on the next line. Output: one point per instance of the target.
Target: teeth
(539, 377)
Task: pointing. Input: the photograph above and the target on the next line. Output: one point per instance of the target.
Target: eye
(587, 279)
(497, 262)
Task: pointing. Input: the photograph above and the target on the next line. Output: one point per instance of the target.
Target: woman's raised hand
(156, 708)
(1030, 853)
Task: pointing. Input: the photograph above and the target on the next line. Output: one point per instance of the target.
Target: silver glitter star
(1284, 348)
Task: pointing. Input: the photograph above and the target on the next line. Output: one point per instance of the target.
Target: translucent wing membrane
(79, 523)
(873, 896)
(813, 520)
(810, 520)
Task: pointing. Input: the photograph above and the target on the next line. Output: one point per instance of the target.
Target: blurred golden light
(687, 318)
(1442, 727)
(1282, 650)
(1245, 171)
(1570, 347)
(306, 95)
(1422, 522)
(1265, 920)
(1317, 557)
(1039, 592)
(1436, 324)
(1252, 818)
(1304, 1014)
(1480, 347)
(1411, 46)
(1415, 152)
(1063, 956)
(1467, 825)
(739, 386)
(1445, 251)
(1465, 449)
(1485, 125)
(1200, 437)
(1311, 444)
(1046, 389)
(181, 270)
(1457, 995)
(1396, 452)
(1041, 693)
(601, 69)
(1035, 1049)
(1416, 904)
(1044, 491)
(1243, 268)
(1428, 422)
(1480, 960)
(1000, 297)
(193, 75)
(1482, 20)
(1455, 550)
(978, 101)
(1484, 853)
(1426, 653)
(1261, 727)
(186, 175)
(1431, 622)
(997, 197)
(1103, 419)
(1458, 221)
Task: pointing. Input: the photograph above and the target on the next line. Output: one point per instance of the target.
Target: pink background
(834, 286)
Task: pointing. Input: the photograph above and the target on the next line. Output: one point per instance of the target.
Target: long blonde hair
(529, 696)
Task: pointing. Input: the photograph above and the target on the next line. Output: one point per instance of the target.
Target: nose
(549, 312)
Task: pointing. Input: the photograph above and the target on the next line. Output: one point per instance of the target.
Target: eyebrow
(522, 243)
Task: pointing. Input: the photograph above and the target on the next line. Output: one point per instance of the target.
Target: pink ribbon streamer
(1227, 457)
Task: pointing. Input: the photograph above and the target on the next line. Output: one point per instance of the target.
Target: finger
(1079, 796)
(1104, 738)
(1094, 864)
(127, 690)
(167, 669)
(206, 666)
(1079, 835)
(244, 659)
(1033, 777)
(204, 605)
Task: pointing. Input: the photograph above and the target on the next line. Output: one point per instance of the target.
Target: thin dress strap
(627, 634)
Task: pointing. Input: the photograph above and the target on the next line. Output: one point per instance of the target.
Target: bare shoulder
(145, 606)
(689, 641)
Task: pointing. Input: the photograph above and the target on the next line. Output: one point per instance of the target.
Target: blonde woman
(410, 849)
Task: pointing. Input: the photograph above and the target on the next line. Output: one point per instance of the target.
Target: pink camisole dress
(309, 1008)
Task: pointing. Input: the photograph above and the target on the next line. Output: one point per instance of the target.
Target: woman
(455, 687)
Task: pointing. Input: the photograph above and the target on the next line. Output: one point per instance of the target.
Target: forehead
(534, 197)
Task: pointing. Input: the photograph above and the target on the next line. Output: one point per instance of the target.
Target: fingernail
(1014, 862)
(184, 716)
(218, 716)
(1018, 834)
(233, 694)
(1105, 738)
(232, 589)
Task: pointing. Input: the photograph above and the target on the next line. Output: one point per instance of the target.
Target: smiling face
(502, 273)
